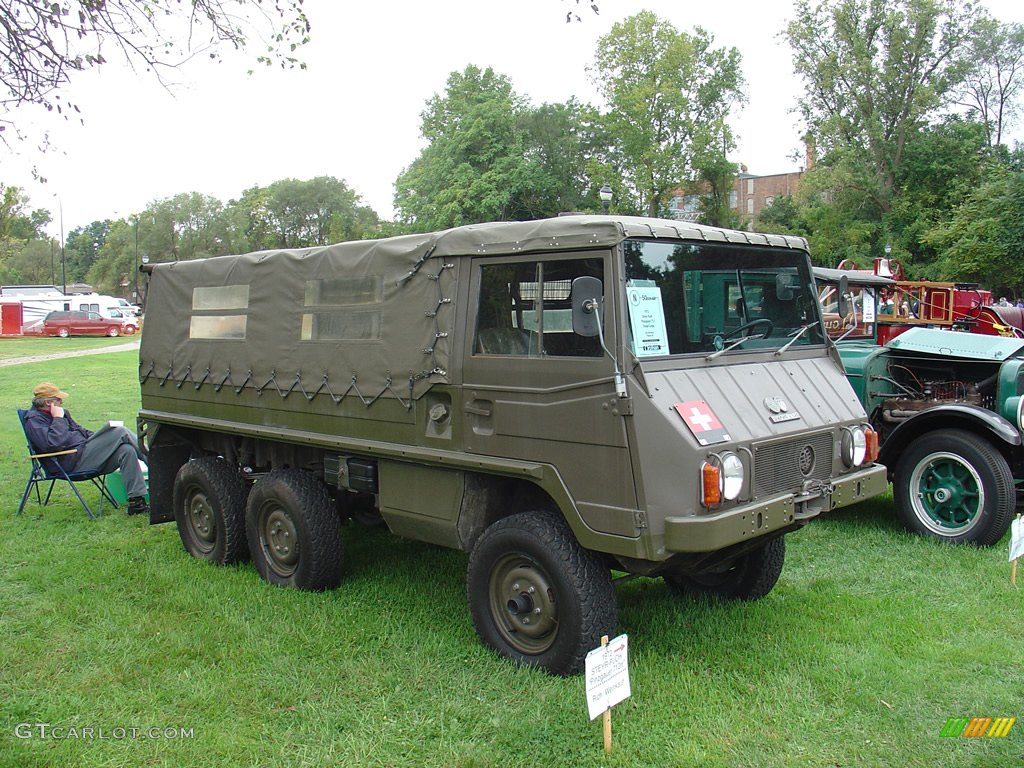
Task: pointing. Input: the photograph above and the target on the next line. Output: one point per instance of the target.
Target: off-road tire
(747, 578)
(954, 486)
(209, 509)
(294, 531)
(571, 605)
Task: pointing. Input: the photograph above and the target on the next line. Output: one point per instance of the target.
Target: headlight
(732, 475)
(855, 446)
(722, 477)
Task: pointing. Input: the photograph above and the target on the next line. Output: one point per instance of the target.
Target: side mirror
(586, 297)
(844, 296)
(786, 287)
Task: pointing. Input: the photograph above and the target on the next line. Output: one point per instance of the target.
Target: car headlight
(732, 475)
(855, 446)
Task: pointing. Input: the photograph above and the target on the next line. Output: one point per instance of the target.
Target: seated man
(50, 429)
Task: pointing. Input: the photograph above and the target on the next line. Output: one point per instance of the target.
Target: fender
(972, 418)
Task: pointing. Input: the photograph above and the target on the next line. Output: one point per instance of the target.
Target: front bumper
(708, 533)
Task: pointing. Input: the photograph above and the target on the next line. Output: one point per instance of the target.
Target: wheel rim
(202, 522)
(279, 540)
(522, 603)
(947, 493)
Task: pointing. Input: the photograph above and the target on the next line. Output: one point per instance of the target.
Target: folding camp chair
(52, 472)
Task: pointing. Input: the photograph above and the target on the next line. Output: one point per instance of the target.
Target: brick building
(750, 194)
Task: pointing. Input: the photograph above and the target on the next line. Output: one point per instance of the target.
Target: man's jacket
(49, 435)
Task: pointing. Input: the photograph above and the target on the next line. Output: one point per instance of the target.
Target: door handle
(477, 408)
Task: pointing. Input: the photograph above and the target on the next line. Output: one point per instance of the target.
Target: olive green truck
(562, 399)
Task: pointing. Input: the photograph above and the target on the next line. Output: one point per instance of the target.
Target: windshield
(705, 297)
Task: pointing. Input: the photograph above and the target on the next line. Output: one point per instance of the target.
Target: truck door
(536, 391)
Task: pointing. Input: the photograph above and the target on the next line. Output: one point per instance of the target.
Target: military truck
(561, 399)
(948, 407)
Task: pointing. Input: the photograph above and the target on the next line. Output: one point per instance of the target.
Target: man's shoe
(138, 506)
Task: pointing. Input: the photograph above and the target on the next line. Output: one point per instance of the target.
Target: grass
(870, 641)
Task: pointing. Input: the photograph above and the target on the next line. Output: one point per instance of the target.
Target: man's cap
(47, 391)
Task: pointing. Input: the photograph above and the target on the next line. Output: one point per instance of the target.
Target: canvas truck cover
(368, 318)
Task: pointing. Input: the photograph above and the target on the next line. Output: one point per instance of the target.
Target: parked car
(77, 323)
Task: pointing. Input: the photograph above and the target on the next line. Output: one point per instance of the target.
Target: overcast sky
(355, 112)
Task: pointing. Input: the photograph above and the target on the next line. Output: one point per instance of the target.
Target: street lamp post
(63, 263)
(136, 295)
(606, 196)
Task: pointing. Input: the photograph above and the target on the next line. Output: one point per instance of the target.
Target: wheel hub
(280, 541)
(202, 521)
(523, 604)
(948, 493)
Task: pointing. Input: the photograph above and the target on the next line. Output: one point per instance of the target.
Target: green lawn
(870, 642)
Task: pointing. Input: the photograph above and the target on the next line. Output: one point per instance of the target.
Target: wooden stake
(1013, 567)
(607, 716)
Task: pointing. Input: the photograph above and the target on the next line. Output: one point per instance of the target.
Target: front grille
(784, 467)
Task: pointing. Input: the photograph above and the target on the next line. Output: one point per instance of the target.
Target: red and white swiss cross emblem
(703, 423)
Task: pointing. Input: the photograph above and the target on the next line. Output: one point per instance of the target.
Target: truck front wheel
(294, 532)
(954, 486)
(537, 596)
(209, 509)
(749, 577)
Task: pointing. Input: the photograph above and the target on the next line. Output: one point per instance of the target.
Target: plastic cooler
(115, 484)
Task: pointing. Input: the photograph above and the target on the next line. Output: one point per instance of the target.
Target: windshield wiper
(791, 342)
(723, 350)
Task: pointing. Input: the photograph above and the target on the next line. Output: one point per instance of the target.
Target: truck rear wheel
(749, 577)
(294, 532)
(537, 596)
(955, 486)
(209, 509)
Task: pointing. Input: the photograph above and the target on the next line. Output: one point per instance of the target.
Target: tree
(876, 71)
(491, 156)
(983, 241)
(668, 95)
(42, 45)
(993, 86)
(296, 214)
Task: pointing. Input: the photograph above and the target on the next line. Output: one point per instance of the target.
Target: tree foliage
(876, 71)
(44, 44)
(669, 95)
(983, 240)
(994, 83)
(491, 156)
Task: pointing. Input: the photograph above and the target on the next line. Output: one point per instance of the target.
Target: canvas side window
(212, 315)
(342, 309)
(525, 309)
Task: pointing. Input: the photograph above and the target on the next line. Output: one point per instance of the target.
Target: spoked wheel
(294, 532)
(536, 595)
(956, 487)
(209, 509)
(749, 577)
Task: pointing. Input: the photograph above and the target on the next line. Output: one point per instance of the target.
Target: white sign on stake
(607, 673)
